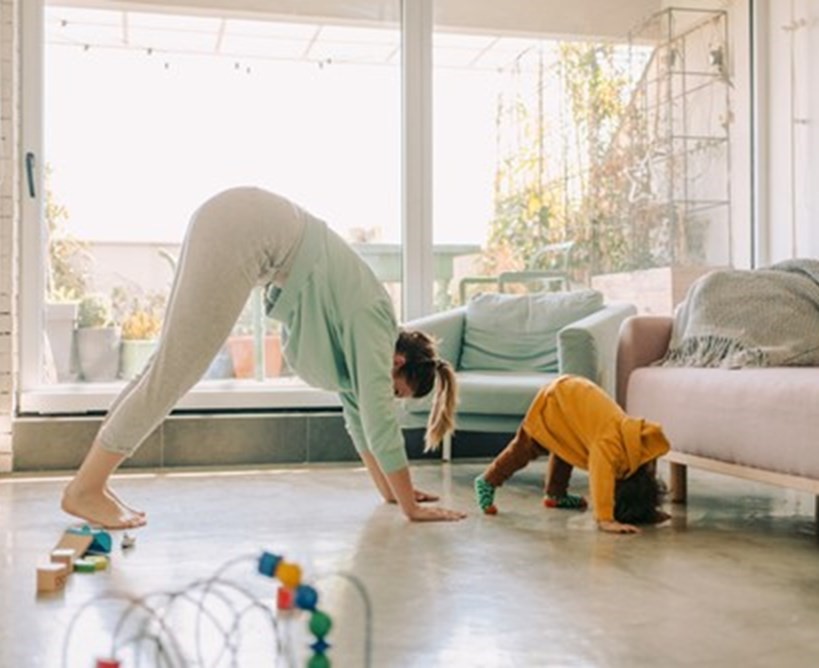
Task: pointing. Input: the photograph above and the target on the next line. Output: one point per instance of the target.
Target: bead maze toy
(218, 621)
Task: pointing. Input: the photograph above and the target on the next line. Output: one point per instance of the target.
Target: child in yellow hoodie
(580, 425)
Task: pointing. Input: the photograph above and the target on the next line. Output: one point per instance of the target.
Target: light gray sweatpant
(237, 240)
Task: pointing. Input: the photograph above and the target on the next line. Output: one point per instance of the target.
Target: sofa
(755, 423)
(505, 347)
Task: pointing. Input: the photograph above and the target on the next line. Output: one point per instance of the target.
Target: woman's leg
(218, 268)
(521, 450)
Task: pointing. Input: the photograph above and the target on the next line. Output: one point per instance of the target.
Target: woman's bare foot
(117, 499)
(99, 509)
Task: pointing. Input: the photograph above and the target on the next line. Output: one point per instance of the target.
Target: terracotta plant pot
(243, 356)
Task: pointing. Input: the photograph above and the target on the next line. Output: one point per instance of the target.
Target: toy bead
(289, 574)
(320, 624)
(320, 646)
(107, 663)
(306, 597)
(284, 598)
(268, 563)
(318, 661)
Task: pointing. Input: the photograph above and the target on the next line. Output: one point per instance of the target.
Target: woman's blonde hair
(421, 368)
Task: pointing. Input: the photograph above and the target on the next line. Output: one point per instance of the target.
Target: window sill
(210, 395)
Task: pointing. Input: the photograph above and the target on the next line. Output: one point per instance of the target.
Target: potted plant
(140, 331)
(66, 278)
(97, 340)
(242, 342)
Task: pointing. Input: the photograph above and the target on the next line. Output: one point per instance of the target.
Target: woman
(341, 335)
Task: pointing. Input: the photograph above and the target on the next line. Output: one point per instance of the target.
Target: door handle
(30, 174)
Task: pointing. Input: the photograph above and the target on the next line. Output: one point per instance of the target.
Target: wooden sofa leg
(679, 483)
(816, 515)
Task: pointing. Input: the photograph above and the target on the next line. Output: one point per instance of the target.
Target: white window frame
(416, 213)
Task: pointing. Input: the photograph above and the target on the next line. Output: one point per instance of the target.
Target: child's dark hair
(421, 368)
(637, 498)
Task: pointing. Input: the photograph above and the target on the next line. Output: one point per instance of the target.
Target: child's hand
(616, 527)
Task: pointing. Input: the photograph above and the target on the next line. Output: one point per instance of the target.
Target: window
(604, 152)
(146, 114)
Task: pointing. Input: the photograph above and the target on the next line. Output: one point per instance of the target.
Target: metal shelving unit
(677, 135)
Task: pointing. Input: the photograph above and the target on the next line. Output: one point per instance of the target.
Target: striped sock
(485, 496)
(565, 502)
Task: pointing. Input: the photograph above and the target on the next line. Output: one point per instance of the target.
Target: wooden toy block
(64, 555)
(77, 542)
(100, 561)
(51, 577)
(84, 565)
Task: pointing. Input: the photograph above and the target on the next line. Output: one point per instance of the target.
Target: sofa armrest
(447, 328)
(643, 340)
(588, 347)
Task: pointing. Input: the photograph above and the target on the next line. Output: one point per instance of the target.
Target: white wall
(8, 237)
(792, 212)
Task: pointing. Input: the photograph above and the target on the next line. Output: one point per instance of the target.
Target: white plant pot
(98, 353)
(135, 354)
(60, 321)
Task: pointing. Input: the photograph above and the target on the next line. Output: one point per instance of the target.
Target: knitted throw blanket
(749, 318)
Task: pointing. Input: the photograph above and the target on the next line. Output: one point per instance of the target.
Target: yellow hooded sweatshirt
(577, 421)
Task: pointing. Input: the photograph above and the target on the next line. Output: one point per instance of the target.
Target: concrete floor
(730, 581)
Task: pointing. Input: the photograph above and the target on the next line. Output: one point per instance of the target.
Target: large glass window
(148, 114)
(602, 145)
(607, 152)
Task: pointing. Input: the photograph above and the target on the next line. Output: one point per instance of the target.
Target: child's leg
(558, 474)
(521, 450)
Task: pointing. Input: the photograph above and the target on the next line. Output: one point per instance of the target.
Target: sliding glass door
(148, 111)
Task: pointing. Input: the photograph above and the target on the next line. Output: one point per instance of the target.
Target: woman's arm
(383, 485)
(401, 485)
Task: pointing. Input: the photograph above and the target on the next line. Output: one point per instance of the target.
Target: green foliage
(139, 313)
(583, 193)
(66, 279)
(94, 311)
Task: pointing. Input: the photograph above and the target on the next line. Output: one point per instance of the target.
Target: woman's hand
(435, 514)
(616, 527)
(420, 497)
(424, 497)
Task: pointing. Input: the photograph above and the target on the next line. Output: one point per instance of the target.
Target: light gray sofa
(504, 348)
(756, 423)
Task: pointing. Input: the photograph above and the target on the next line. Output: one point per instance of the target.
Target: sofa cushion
(764, 418)
(505, 332)
(491, 392)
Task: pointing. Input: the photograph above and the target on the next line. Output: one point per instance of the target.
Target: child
(582, 426)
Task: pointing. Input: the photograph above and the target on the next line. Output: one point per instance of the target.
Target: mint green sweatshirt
(340, 332)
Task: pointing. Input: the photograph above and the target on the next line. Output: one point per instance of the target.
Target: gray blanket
(749, 318)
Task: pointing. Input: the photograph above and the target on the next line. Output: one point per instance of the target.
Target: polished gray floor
(732, 580)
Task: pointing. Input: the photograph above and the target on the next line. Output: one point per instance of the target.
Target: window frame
(35, 397)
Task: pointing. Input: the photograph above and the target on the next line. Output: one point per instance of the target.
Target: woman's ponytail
(441, 420)
(422, 367)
